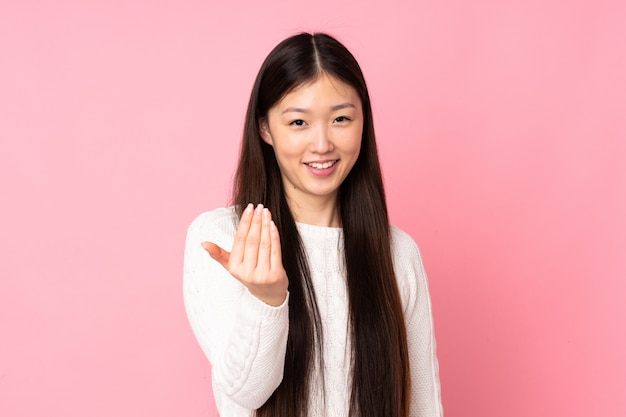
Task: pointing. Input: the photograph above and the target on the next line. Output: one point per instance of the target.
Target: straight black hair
(380, 374)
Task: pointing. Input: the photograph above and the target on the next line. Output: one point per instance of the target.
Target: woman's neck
(316, 212)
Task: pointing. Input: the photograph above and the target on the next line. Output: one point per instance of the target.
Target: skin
(316, 133)
(256, 259)
(318, 122)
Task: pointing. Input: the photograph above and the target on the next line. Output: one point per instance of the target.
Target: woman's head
(315, 131)
(297, 61)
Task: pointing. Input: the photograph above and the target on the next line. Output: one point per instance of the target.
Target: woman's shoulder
(217, 225)
(408, 266)
(403, 244)
(214, 218)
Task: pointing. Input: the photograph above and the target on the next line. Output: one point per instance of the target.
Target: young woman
(307, 302)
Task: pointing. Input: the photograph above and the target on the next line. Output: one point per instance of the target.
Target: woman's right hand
(255, 259)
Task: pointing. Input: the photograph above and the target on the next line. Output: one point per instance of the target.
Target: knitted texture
(245, 339)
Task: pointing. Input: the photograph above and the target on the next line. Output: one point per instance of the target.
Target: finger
(253, 240)
(263, 261)
(217, 253)
(237, 252)
(276, 255)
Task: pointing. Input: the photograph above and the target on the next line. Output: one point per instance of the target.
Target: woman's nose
(322, 142)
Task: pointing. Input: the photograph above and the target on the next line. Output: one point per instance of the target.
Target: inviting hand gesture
(255, 259)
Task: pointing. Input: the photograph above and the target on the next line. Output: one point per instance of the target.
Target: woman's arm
(413, 285)
(244, 338)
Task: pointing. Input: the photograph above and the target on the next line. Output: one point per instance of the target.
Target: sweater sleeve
(244, 339)
(413, 285)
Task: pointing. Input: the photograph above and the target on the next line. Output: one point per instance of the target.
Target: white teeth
(324, 165)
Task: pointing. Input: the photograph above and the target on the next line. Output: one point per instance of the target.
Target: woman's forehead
(323, 91)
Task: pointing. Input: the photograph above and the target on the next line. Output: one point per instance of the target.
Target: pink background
(502, 128)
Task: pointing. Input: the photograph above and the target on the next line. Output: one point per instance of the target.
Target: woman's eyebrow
(343, 106)
(303, 110)
(295, 110)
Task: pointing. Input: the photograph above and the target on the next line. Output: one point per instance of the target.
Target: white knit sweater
(245, 339)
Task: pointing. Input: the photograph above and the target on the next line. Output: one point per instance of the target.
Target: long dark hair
(380, 373)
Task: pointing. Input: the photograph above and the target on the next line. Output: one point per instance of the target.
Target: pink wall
(502, 127)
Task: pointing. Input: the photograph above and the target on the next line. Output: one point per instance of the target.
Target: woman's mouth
(322, 169)
(321, 165)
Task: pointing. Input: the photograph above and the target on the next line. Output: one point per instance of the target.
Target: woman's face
(316, 133)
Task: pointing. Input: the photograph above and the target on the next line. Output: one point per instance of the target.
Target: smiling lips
(321, 168)
(321, 165)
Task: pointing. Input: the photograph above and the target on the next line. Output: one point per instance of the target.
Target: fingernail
(266, 214)
(259, 209)
(248, 209)
(272, 226)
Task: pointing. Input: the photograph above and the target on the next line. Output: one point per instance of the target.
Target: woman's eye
(341, 119)
(298, 122)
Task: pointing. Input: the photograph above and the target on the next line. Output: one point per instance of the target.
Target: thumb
(217, 253)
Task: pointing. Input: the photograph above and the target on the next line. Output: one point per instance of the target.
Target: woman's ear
(264, 130)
